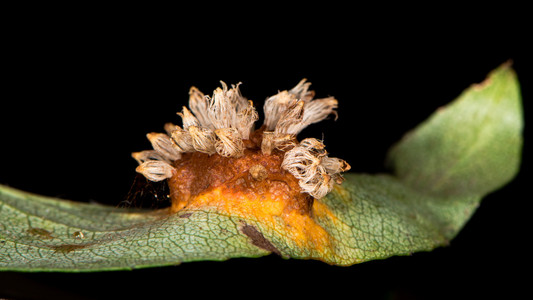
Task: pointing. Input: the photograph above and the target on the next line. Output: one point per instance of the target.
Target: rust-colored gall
(251, 177)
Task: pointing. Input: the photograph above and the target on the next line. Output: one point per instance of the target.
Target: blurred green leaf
(470, 147)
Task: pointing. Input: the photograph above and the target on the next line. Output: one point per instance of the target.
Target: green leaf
(442, 169)
(470, 147)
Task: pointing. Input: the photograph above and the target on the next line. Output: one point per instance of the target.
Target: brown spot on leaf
(40, 232)
(480, 86)
(258, 239)
(185, 215)
(66, 248)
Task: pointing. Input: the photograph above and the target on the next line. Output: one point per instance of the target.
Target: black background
(81, 90)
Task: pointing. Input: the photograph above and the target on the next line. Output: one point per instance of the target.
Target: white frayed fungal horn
(289, 112)
(316, 172)
(164, 146)
(155, 170)
(223, 124)
(229, 142)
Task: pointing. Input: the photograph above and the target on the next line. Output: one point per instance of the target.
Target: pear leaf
(441, 171)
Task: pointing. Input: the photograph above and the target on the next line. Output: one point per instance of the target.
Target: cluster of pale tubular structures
(220, 124)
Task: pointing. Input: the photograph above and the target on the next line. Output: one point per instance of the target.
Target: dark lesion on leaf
(257, 238)
(185, 215)
(41, 233)
(66, 248)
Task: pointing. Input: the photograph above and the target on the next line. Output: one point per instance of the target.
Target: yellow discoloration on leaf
(321, 210)
(306, 233)
(271, 211)
(342, 193)
(237, 204)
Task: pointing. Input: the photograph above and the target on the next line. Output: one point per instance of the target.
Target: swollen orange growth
(253, 177)
(217, 162)
(251, 186)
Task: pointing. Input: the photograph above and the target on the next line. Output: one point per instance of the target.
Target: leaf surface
(442, 169)
(472, 146)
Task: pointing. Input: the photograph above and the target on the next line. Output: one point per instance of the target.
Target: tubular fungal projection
(217, 147)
